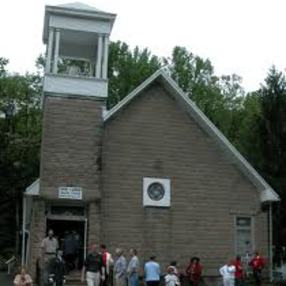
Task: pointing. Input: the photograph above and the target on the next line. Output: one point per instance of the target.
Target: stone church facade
(151, 173)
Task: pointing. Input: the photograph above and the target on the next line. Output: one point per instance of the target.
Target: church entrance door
(71, 235)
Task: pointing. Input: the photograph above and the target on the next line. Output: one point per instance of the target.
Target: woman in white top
(228, 274)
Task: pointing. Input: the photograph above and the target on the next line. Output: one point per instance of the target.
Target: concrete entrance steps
(73, 279)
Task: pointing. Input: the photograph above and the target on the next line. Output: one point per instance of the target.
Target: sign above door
(71, 193)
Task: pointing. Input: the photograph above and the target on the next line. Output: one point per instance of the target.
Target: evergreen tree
(272, 142)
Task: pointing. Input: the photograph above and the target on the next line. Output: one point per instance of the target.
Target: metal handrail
(9, 263)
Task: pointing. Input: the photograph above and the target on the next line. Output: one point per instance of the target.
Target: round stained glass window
(156, 191)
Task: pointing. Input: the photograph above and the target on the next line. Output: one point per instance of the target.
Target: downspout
(85, 239)
(270, 243)
(24, 230)
(27, 247)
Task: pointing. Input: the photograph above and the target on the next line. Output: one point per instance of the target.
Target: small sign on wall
(71, 193)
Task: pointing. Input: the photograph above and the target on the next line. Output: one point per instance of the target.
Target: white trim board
(267, 194)
(33, 189)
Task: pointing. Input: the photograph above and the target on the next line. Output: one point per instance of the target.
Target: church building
(152, 173)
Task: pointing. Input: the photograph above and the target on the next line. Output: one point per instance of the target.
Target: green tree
(271, 126)
(20, 129)
(127, 69)
(220, 98)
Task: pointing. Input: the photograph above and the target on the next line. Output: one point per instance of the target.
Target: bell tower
(75, 89)
(77, 38)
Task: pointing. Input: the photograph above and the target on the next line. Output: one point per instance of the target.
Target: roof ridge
(207, 125)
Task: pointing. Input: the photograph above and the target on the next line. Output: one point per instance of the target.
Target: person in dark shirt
(70, 250)
(57, 269)
(93, 268)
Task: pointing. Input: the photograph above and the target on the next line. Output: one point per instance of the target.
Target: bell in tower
(77, 37)
(75, 90)
(68, 192)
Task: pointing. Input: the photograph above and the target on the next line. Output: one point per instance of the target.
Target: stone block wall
(37, 234)
(71, 146)
(154, 137)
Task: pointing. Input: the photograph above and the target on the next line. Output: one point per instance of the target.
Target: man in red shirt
(239, 273)
(257, 264)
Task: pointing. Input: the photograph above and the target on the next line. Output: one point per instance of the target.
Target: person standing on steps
(49, 247)
(57, 273)
(93, 268)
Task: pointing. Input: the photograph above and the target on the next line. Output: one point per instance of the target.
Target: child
(57, 269)
(23, 278)
(171, 279)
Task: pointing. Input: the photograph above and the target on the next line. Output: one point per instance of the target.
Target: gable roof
(267, 194)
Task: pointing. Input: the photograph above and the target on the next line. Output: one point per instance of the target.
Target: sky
(244, 37)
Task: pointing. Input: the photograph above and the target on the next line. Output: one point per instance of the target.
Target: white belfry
(49, 50)
(57, 47)
(105, 57)
(99, 56)
(77, 38)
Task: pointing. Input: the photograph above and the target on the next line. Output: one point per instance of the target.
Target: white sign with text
(71, 193)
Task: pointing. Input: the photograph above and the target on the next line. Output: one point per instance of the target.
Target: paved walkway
(5, 279)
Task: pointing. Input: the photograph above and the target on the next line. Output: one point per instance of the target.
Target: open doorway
(71, 237)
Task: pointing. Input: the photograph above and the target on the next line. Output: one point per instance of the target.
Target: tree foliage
(127, 69)
(253, 122)
(271, 137)
(220, 98)
(20, 129)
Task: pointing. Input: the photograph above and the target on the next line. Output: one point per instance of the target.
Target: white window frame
(252, 231)
(165, 201)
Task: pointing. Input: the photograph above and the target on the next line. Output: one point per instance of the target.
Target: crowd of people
(100, 269)
(233, 273)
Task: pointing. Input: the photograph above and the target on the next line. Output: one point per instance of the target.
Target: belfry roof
(79, 6)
